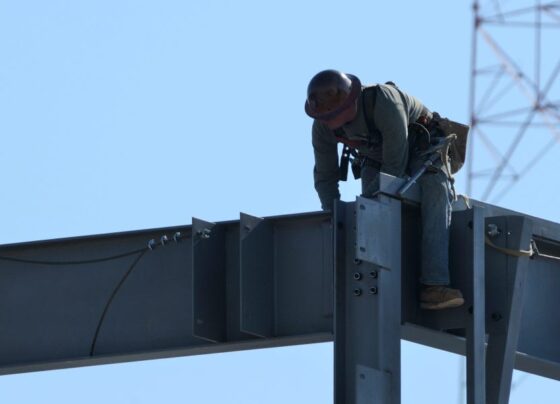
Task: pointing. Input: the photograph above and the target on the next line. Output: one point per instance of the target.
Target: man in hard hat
(375, 122)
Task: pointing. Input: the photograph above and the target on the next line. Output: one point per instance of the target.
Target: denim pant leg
(436, 222)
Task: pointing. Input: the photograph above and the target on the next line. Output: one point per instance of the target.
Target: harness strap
(368, 105)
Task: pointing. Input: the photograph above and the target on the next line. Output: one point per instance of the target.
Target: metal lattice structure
(515, 93)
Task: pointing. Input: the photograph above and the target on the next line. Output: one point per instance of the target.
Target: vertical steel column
(368, 301)
(476, 328)
(512, 232)
(466, 262)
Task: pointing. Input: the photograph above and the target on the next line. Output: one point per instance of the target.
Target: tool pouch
(458, 148)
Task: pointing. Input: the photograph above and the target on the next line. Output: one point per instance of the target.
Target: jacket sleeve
(326, 172)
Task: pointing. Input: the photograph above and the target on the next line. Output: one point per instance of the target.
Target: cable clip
(163, 240)
(151, 244)
(177, 236)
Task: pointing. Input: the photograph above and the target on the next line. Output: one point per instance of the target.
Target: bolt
(373, 274)
(357, 292)
(204, 233)
(373, 290)
(496, 316)
(357, 276)
(493, 230)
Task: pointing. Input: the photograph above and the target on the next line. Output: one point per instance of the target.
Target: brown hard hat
(330, 92)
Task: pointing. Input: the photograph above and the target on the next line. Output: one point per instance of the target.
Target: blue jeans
(436, 220)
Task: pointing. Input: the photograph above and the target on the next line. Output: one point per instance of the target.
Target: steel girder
(350, 277)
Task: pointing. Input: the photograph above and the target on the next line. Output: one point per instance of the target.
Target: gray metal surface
(209, 281)
(471, 230)
(268, 282)
(49, 310)
(368, 301)
(506, 310)
(257, 276)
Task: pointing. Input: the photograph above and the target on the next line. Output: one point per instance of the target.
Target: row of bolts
(152, 243)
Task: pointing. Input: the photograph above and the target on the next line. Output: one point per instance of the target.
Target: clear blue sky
(122, 115)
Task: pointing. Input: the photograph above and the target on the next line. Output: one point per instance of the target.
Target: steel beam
(257, 276)
(514, 233)
(209, 281)
(475, 300)
(269, 282)
(368, 301)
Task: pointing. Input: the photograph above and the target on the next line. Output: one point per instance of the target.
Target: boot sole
(443, 305)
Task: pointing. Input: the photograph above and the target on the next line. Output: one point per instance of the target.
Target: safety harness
(349, 151)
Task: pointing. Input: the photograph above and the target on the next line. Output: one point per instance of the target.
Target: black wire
(141, 251)
(91, 261)
(108, 304)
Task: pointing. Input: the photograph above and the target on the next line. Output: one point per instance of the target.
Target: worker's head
(332, 97)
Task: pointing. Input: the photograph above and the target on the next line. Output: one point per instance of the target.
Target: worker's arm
(326, 172)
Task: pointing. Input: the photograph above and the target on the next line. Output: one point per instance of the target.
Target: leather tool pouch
(458, 148)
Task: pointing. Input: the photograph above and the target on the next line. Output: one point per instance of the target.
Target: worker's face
(345, 116)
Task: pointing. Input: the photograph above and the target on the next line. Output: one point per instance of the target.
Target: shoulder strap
(368, 105)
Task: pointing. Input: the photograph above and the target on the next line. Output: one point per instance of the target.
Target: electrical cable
(108, 304)
(152, 244)
(90, 261)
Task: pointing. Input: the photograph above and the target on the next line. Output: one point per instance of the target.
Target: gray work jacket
(394, 110)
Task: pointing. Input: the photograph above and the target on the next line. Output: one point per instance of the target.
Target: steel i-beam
(368, 301)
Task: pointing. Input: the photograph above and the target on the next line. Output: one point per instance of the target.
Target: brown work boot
(440, 297)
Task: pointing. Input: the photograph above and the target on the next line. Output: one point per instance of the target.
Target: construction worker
(375, 121)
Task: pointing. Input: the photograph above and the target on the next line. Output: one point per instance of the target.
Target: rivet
(373, 290)
(357, 276)
(357, 292)
(496, 316)
(373, 274)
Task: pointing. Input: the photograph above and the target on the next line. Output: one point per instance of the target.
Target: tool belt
(427, 126)
(458, 148)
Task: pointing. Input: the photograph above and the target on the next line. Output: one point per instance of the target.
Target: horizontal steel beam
(244, 284)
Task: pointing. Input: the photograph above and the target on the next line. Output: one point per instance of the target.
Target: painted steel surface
(268, 282)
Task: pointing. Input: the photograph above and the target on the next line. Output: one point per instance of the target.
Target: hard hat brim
(355, 90)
